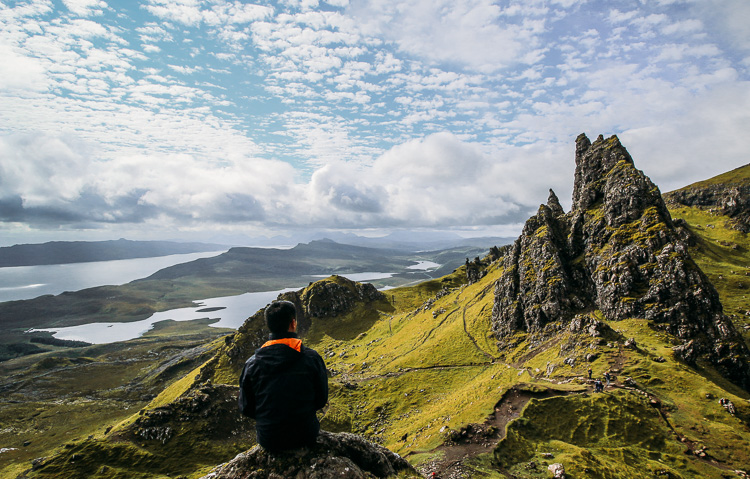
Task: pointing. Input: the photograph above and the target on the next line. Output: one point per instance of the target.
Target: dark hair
(279, 316)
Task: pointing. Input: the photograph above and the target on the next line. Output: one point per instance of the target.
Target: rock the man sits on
(283, 384)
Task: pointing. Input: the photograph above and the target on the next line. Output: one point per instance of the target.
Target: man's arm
(246, 399)
(321, 382)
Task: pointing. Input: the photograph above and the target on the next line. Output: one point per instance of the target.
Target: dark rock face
(343, 455)
(619, 252)
(336, 296)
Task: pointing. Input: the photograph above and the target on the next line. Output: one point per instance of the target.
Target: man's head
(280, 315)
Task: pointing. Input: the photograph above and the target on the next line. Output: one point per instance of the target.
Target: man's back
(281, 387)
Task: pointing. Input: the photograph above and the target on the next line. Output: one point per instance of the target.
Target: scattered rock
(37, 463)
(557, 470)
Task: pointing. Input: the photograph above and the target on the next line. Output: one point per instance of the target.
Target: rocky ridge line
(619, 252)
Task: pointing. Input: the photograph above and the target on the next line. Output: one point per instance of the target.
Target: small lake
(230, 311)
(27, 282)
(424, 265)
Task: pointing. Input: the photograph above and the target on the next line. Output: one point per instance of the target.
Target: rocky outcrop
(335, 296)
(212, 409)
(619, 252)
(728, 194)
(343, 455)
(326, 298)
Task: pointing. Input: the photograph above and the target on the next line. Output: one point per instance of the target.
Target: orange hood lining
(293, 343)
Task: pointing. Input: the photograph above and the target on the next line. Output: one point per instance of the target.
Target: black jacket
(281, 388)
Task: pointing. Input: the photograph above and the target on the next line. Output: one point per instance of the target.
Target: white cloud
(185, 12)
(682, 27)
(438, 114)
(191, 12)
(729, 19)
(57, 180)
(438, 181)
(85, 8)
(474, 33)
(19, 72)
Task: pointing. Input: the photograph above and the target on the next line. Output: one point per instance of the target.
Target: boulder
(557, 470)
(341, 455)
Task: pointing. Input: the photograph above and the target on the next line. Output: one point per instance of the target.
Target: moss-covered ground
(723, 253)
(52, 401)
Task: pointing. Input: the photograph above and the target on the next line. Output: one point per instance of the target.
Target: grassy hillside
(724, 255)
(420, 373)
(738, 176)
(50, 402)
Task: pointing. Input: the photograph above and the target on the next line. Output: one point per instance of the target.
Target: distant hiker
(283, 384)
(598, 387)
(728, 405)
(590, 373)
(607, 377)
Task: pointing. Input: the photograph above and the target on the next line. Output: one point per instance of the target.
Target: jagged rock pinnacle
(553, 203)
(618, 252)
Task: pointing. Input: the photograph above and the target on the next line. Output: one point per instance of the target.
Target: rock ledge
(341, 455)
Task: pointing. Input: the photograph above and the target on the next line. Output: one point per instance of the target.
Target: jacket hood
(277, 356)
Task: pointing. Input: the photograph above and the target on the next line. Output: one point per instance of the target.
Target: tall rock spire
(617, 251)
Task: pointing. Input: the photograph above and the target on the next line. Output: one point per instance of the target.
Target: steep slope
(728, 193)
(617, 252)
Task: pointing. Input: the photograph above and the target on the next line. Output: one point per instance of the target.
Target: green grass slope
(51, 402)
(735, 177)
(414, 367)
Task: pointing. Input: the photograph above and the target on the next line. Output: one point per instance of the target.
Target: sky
(201, 119)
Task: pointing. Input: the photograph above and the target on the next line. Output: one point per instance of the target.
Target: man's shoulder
(251, 361)
(311, 353)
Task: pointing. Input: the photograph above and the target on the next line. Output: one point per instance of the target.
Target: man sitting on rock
(283, 384)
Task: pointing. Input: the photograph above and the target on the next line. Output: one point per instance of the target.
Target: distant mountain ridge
(404, 240)
(64, 252)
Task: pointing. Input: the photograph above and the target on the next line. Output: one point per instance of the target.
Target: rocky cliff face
(343, 455)
(616, 251)
(728, 194)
